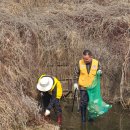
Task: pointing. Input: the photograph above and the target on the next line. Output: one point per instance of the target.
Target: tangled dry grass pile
(44, 36)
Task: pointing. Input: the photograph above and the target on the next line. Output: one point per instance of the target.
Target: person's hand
(76, 86)
(47, 112)
(99, 72)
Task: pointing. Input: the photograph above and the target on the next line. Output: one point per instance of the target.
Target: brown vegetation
(44, 36)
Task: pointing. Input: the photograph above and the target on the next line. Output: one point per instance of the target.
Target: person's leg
(59, 111)
(83, 104)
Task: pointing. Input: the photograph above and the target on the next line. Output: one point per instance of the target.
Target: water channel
(115, 119)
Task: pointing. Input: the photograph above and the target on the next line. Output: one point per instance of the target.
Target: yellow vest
(58, 89)
(56, 84)
(85, 79)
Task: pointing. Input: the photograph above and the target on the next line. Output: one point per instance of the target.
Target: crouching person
(51, 93)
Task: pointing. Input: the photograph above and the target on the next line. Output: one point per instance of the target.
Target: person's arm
(99, 66)
(53, 99)
(76, 73)
(99, 70)
(76, 76)
(52, 102)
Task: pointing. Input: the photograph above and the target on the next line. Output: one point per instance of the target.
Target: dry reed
(45, 37)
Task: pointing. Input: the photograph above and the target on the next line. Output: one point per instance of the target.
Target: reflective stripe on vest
(85, 79)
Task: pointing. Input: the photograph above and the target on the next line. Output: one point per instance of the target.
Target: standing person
(84, 75)
(51, 93)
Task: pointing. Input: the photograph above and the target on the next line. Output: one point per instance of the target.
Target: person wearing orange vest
(51, 93)
(84, 75)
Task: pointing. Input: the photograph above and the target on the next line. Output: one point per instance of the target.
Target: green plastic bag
(96, 105)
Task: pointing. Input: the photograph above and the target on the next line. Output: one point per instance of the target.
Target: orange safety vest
(85, 79)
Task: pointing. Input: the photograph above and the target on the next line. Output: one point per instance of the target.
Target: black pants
(83, 98)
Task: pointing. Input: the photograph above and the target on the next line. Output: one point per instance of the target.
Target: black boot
(83, 114)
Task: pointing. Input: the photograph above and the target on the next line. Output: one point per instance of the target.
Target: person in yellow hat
(51, 91)
(84, 75)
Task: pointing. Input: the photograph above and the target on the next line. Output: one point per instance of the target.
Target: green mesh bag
(96, 105)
